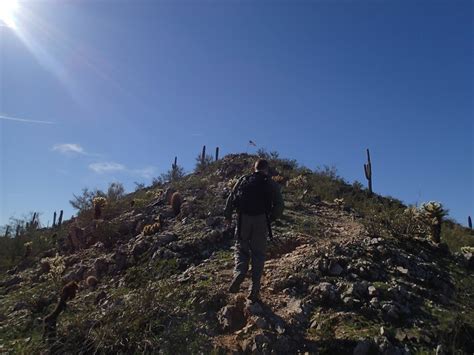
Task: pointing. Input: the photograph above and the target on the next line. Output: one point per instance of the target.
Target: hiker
(258, 201)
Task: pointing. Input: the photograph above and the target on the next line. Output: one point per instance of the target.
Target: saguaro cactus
(33, 223)
(203, 155)
(469, 221)
(217, 153)
(60, 219)
(54, 219)
(368, 171)
(175, 164)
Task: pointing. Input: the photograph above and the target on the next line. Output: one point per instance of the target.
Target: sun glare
(8, 9)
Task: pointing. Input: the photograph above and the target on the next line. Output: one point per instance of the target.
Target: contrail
(16, 119)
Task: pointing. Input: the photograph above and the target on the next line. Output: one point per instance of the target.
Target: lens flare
(8, 9)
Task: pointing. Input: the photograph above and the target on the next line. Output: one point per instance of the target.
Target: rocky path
(281, 312)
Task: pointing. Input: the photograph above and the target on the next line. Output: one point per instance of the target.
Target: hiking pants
(251, 244)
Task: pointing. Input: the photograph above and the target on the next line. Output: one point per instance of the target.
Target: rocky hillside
(345, 273)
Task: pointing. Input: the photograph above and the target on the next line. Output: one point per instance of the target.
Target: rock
(231, 318)
(253, 308)
(373, 292)
(325, 293)
(164, 239)
(120, 259)
(363, 347)
(76, 274)
(392, 312)
(100, 267)
(358, 289)
(400, 335)
(261, 323)
(335, 269)
(294, 306)
(402, 270)
(440, 350)
(348, 301)
(140, 247)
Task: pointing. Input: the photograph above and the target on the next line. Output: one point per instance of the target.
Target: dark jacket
(277, 202)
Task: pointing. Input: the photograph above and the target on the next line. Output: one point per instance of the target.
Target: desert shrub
(83, 201)
(115, 192)
(176, 173)
(203, 164)
(456, 236)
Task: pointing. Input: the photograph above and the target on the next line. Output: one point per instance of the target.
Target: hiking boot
(235, 285)
(254, 296)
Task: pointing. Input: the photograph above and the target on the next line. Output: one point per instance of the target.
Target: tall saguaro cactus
(60, 219)
(54, 219)
(217, 153)
(368, 171)
(175, 164)
(469, 221)
(203, 155)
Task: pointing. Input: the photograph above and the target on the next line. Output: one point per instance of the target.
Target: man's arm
(278, 203)
(229, 205)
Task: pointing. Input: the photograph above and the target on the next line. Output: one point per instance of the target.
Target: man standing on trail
(258, 201)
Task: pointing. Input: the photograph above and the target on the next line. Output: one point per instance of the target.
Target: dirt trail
(281, 309)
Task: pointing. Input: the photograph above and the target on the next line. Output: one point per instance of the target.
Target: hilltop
(347, 272)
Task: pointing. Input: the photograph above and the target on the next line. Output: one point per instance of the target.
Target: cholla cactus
(433, 213)
(28, 249)
(56, 268)
(99, 203)
(298, 182)
(467, 250)
(151, 229)
(232, 183)
(279, 179)
(154, 193)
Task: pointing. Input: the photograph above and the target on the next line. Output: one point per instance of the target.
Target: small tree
(174, 174)
(83, 201)
(201, 163)
(115, 192)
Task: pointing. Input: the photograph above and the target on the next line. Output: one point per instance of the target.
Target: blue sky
(127, 85)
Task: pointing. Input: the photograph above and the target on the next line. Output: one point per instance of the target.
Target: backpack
(253, 195)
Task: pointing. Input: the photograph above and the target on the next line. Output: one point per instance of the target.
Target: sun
(8, 9)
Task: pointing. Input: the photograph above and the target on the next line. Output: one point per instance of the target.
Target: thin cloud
(146, 173)
(107, 167)
(23, 120)
(113, 167)
(66, 148)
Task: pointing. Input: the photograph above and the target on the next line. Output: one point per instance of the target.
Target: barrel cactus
(176, 202)
(151, 229)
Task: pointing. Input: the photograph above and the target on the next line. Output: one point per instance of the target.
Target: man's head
(261, 165)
